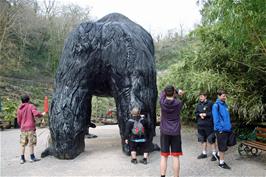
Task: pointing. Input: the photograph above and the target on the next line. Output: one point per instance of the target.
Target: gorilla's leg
(133, 92)
(68, 126)
(144, 94)
(68, 122)
(122, 105)
(120, 86)
(74, 84)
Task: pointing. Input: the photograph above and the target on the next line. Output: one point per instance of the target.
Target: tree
(229, 53)
(32, 36)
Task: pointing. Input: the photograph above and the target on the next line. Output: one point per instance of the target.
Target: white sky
(156, 16)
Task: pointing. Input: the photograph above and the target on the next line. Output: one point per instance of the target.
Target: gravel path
(103, 157)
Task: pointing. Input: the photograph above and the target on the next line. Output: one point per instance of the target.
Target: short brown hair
(203, 93)
(221, 91)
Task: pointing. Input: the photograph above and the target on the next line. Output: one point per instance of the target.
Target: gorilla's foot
(46, 152)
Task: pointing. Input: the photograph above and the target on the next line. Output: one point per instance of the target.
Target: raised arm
(162, 97)
(35, 112)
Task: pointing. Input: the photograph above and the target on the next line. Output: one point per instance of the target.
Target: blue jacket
(221, 117)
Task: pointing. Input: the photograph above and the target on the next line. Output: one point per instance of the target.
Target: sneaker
(34, 159)
(134, 161)
(202, 156)
(144, 161)
(22, 161)
(225, 166)
(215, 157)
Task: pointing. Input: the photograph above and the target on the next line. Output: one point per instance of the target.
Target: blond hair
(135, 111)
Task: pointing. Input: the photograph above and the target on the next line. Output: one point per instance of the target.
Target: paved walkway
(103, 157)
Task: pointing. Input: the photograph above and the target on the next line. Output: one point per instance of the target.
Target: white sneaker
(22, 161)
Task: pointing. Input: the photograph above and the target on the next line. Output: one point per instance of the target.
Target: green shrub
(9, 107)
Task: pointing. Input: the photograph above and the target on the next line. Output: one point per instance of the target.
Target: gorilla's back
(112, 47)
(125, 48)
(125, 43)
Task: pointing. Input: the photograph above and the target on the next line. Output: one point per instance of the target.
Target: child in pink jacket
(26, 115)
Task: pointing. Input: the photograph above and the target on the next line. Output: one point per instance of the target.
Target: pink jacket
(25, 116)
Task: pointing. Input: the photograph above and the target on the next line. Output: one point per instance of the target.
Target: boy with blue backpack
(135, 135)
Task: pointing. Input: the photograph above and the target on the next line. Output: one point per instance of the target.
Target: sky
(156, 16)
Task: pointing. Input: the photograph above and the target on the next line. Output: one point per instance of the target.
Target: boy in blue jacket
(222, 125)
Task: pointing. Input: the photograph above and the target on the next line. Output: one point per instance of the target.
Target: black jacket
(129, 126)
(204, 107)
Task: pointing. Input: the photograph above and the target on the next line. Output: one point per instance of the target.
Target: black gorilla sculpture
(110, 57)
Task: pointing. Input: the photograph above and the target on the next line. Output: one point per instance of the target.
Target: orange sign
(45, 104)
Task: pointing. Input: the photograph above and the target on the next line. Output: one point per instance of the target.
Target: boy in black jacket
(205, 126)
(135, 135)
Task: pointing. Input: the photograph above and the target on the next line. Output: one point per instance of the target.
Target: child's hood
(23, 106)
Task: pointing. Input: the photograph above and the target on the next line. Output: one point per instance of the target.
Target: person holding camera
(170, 127)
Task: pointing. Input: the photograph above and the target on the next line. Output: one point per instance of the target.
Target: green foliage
(11, 91)
(100, 106)
(233, 42)
(192, 81)
(169, 50)
(10, 107)
(228, 52)
(32, 36)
